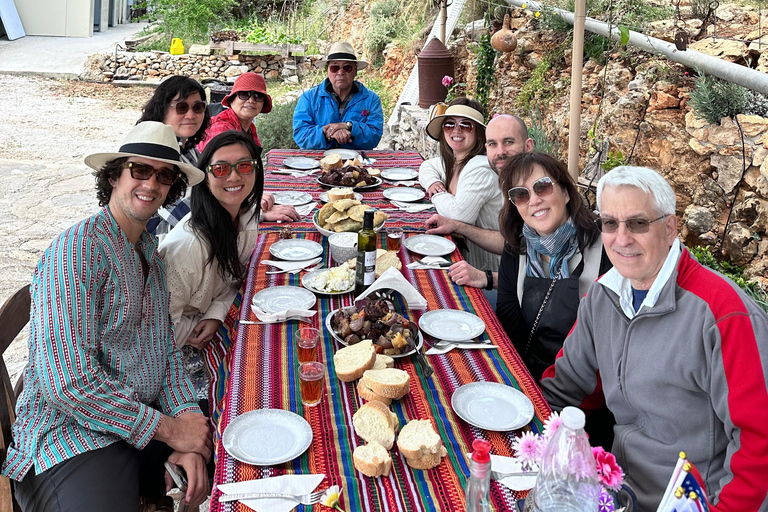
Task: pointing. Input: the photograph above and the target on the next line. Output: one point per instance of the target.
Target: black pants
(110, 479)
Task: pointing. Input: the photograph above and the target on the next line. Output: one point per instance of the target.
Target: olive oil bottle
(366, 255)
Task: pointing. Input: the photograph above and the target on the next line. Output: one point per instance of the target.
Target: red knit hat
(250, 82)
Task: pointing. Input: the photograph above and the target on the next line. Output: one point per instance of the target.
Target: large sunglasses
(182, 107)
(542, 187)
(334, 68)
(635, 226)
(144, 171)
(464, 126)
(245, 95)
(224, 169)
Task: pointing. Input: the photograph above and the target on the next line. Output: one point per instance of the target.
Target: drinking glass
(311, 383)
(306, 344)
(394, 239)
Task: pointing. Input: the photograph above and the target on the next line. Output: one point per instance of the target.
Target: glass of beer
(306, 343)
(394, 239)
(311, 382)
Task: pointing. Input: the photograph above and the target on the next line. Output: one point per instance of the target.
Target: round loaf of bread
(372, 460)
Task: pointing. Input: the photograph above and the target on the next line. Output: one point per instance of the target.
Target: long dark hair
(446, 153)
(210, 220)
(112, 170)
(184, 87)
(516, 170)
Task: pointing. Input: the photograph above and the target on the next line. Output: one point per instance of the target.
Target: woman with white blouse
(460, 182)
(207, 253)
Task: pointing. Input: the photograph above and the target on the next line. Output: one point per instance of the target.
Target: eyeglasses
(636, 226)
(334, 68)
(542, 187)
(224, 169)
(257, 96)
(182, 107)
(464, 126)
(144, 171)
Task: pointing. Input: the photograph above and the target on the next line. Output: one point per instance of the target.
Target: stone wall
(409, 134)
(154, 66)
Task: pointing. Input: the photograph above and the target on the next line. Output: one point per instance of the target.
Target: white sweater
(477, 201)
(197, 290)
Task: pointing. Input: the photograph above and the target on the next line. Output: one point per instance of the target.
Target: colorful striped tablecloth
(260, 371)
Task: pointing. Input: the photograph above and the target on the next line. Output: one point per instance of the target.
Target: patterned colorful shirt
(103, 363)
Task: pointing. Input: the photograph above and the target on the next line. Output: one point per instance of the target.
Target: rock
(725, 14)
(199, 49)
(235, 71)
(474, 30)
(752, 125)
(292, 79)
(764, 169)
(728, 171)
(702, 149)
(740, 245)
(698, 219)
(725, 134)
(272, 74)
(693, 123)
(661, 100)
(730, 51)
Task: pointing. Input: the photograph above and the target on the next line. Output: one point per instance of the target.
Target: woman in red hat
(248, 99)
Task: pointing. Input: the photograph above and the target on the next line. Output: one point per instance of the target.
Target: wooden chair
(14, 315)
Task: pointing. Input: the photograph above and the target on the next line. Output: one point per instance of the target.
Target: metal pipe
(735, 73)
(577, 66)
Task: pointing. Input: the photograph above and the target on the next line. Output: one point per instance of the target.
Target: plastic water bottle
(567, 480)
(477, 495)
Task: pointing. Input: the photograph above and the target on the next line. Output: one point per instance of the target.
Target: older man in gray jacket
(677, 351)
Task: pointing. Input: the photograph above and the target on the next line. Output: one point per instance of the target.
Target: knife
(254, 495)
(442, 265)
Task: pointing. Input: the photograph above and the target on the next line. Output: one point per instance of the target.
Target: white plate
(301, 162)
(324, 196)
(282, 298)
(492, 406)
(292, 198)
(452, 324)
(399, 173)
(296, 249)
(364, 187)
(325, 232)
(419, 338)
(405, 194)
(267, 437)
(306, 282)
(429, 245)
(345, 154)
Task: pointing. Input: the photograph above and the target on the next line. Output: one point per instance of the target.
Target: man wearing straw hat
(339, 112)
(105, 400)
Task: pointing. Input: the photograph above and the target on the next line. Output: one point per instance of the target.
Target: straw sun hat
(343, 51)
(435, 126)
(153, 140)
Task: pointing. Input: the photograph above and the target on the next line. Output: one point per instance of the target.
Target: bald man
(505, 136)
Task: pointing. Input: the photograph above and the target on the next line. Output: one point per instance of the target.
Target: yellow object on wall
(177, 47)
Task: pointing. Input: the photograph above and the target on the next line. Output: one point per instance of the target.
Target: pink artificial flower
(364, 113)
(609, 473)
(528, 449)
(551, 425)
(447, 81)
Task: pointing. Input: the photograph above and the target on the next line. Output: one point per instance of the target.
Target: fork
(305, 499)
(289, 319)
(436, 265)
(498, 475)
(296, 271)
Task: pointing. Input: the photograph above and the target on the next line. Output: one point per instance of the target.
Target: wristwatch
(349, 126)
(489, 280)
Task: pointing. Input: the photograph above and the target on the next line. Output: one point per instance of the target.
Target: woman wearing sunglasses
(553, 253)
(206, 254)
(460, 182)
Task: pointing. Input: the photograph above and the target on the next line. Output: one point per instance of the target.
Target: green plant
(486, 76)
(757, 104)
(276, 128)
(735, 273)
(455, 90)
(385, 24)
(536, 131)
(534, 84)
(713, 99)
(269, 34)
(614, 159)
(190, 20)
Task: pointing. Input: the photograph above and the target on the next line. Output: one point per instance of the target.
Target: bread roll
(352, 361)
(418, 440)
(369, 396)
(389, 382)
(336, 194)
(372, 460)
(374, 422)
(332, 161)
(428, 461)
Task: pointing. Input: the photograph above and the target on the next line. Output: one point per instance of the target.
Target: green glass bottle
(366, 255)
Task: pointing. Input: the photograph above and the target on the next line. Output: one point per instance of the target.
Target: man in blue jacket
(339, 112)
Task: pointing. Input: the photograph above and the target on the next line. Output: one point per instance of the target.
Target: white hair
(647, 180)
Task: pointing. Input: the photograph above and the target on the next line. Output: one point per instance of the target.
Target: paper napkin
(394, 280)
(511, 465)
(428, 262)
(305, 209)
(289, 484)
(281, 316)
(413, 207)
(466, 345)
(288, 266)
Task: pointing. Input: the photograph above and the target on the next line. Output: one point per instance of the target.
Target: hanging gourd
(504, 40)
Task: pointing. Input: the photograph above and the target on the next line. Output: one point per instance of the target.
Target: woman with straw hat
(460, 182)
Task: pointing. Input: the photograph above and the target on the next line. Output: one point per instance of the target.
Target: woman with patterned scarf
(553, 253)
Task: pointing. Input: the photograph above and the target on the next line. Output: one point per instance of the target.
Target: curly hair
(112, 170)
(517, 170)
(166, 92)
(446, 153)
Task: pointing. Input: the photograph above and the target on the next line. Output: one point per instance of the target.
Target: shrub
(536, 131)
(752, 288)
(385, 26)
(190, 20)
(757, 104)
(713, 99)
(276, 128)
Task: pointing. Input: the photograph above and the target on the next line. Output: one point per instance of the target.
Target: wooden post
(577, 64)
(443, 19)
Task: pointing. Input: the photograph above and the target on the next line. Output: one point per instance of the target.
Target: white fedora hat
(436, 124)
(344, 51)
(153, 140)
